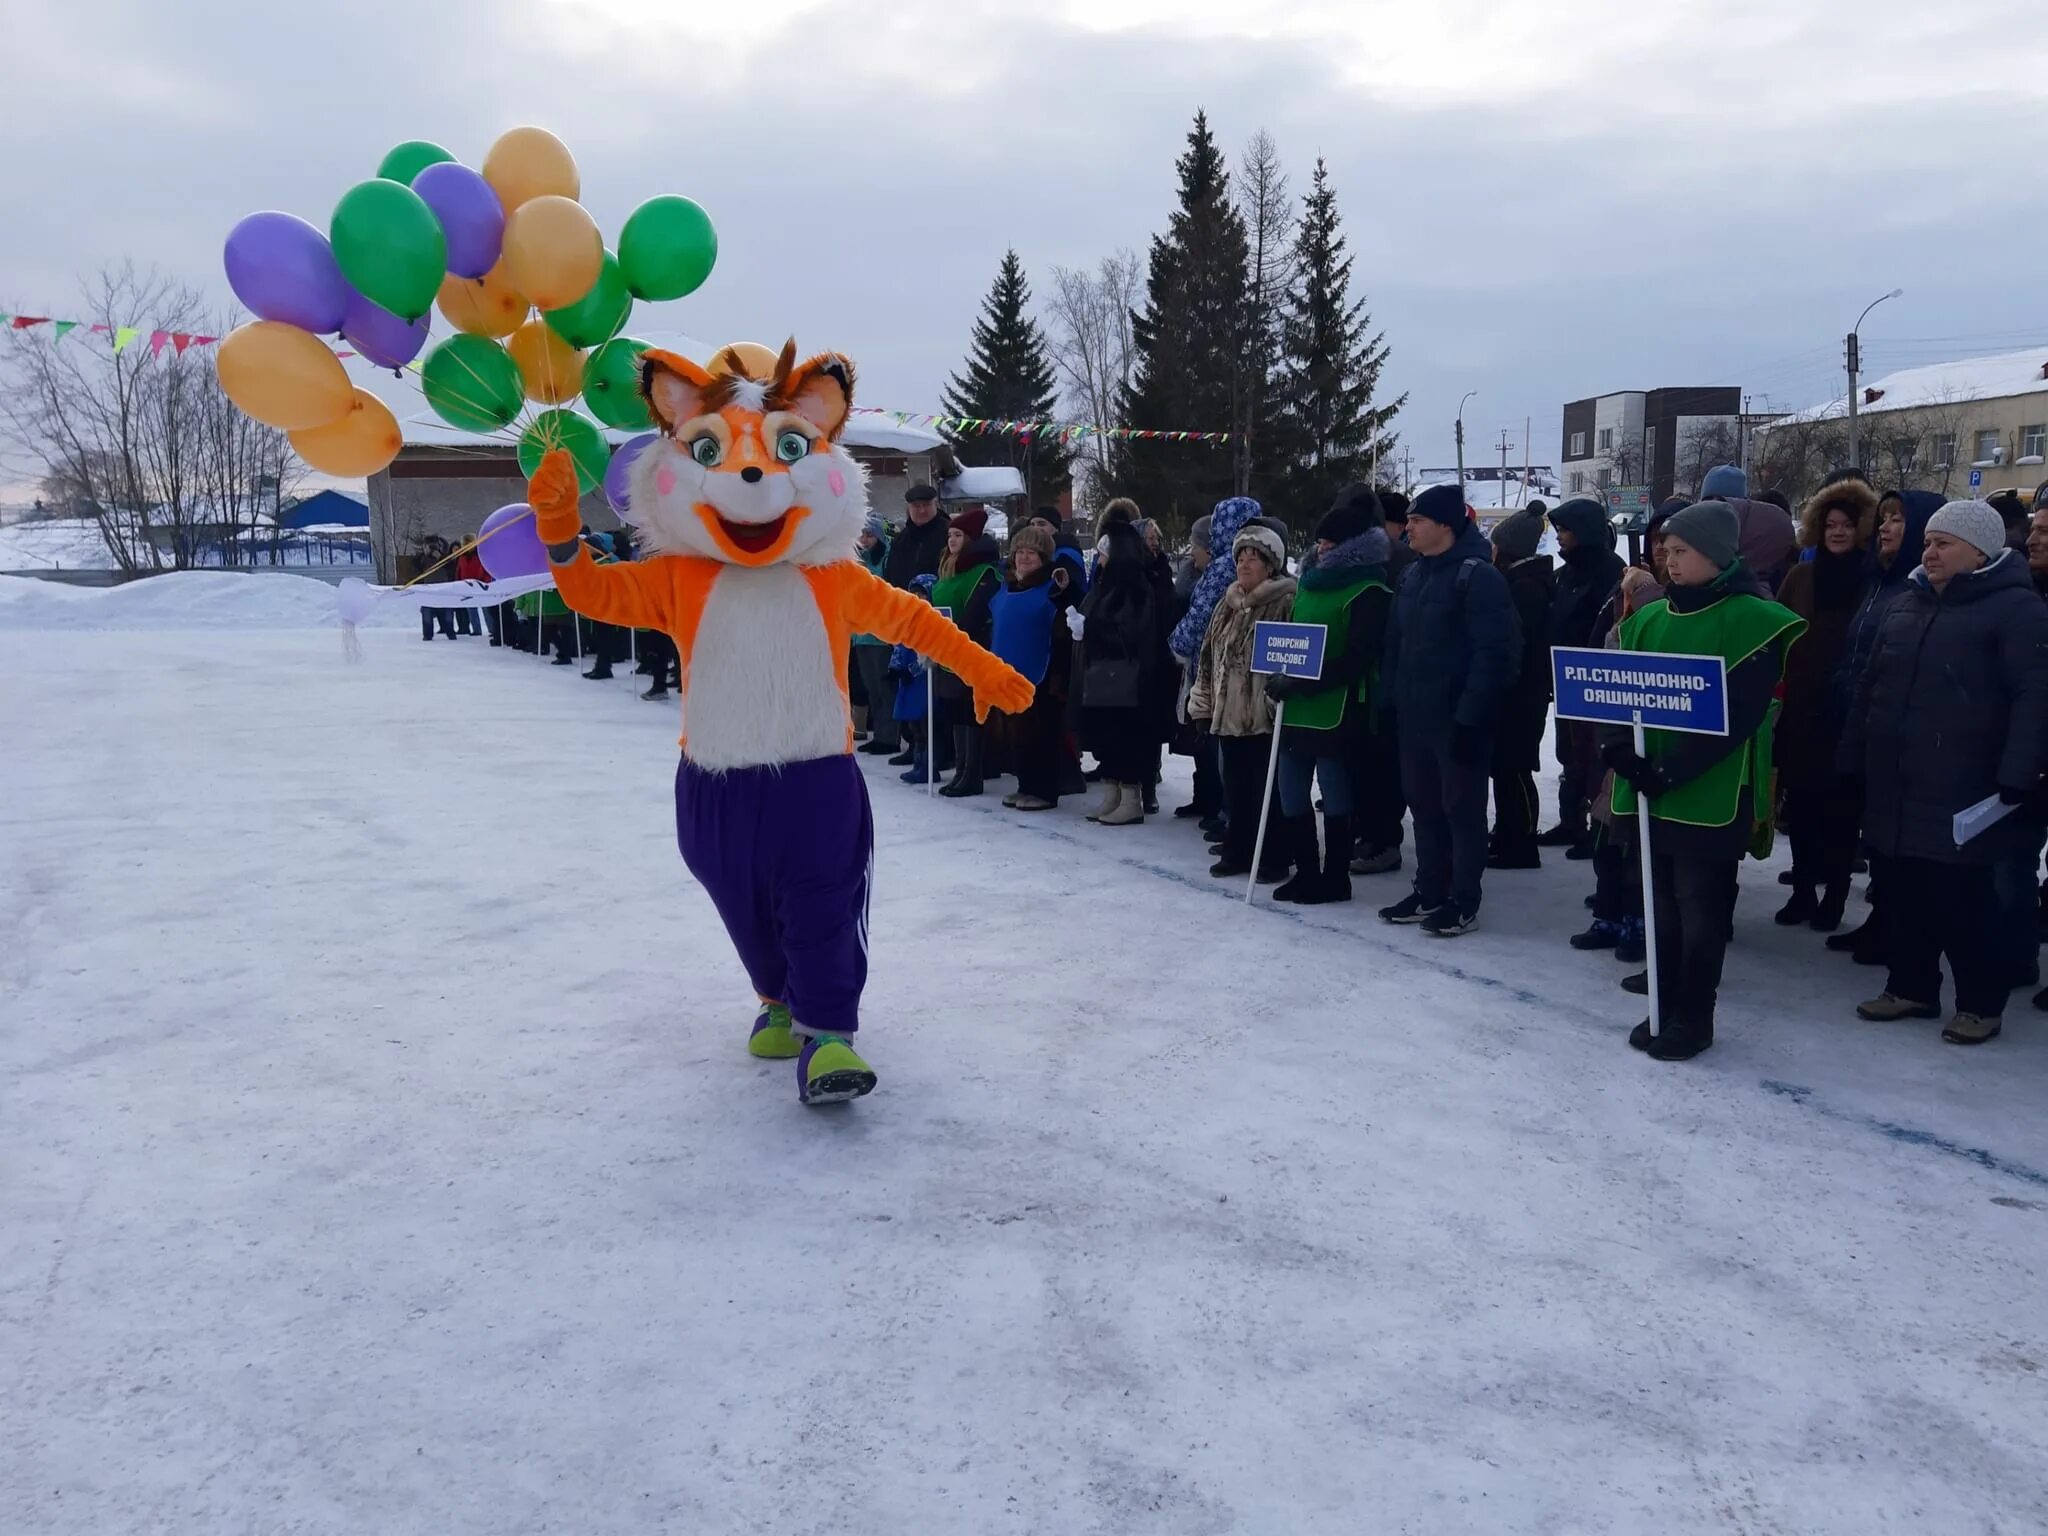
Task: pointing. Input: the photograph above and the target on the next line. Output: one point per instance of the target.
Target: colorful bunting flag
(181, 340)
(23, 322)
(156, 342)
(122, 336)
(62, 329)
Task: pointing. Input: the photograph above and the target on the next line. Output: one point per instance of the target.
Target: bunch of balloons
(513, 262)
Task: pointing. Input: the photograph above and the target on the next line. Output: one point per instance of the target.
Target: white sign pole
(931, 734)
(1649, 891)
(1251, 887)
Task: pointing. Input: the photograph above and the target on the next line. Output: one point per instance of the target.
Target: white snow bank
(70, 544)
(178, 600)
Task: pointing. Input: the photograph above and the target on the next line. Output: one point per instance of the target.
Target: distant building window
(1944, 450)
(1578, 445)
(1650, 445)
(1607, 439)
(1606, 477)
(1578, 483)
(2034, 441)
(1987, 448)
(1907, 451)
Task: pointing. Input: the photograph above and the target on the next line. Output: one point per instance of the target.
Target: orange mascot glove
(555, 498)
(1011, 693)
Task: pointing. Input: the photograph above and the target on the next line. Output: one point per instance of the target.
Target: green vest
(1330, 607)
(1735, 629)
(954, 591)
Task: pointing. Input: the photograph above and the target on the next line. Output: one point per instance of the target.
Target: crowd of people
(1887, 668)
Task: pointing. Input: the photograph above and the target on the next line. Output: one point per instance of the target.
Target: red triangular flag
(23, 322)
(204, 341)
(181, 340)
(101, 330)
(156, 342)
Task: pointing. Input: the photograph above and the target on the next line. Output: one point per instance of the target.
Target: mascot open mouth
(754, 538)
(752, 543)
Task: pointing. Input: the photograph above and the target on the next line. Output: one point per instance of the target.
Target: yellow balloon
(755, 360)
(553, 251)
(553, 369)
(527, 163)
(357, 446)
(487, 306)
(282, 376)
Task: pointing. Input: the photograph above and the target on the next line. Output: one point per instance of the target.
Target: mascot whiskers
(752, 509)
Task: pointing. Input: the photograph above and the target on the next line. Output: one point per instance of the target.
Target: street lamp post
(1855, 356)
(1461, 439)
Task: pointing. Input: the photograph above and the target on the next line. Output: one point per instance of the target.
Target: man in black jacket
(1592, 570)
(917, 550)
(1518, 732)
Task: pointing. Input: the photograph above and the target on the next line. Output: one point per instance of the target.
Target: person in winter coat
(1344, 588)
(967, 585)
(921, 544)
(469, 566)
(1525, 706)
(1213, 534)
(1617, 859)
(1950, 710)
(1769, 538)
(1705, 792)
(1838, 523)
(1381, 815)
(871, 656)
(1452, 651)
(1591, 571)
(912, 708)
(1902, 518)
(1232, 698)
(1120, 666)
(1024, 623)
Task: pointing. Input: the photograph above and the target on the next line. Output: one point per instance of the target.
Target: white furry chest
(763, 684)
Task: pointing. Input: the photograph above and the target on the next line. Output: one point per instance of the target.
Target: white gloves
(1075, 622)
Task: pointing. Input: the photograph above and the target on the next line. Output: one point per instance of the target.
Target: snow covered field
(379, 1153)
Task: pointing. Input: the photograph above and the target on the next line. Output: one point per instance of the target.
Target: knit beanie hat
(874, 527)
(1268, 543)
(1198, 531)
(973, 522)
(1050, 515)
(1722, 482)
(1441, 503)
(1712, 528)
(1976, 523)
(1120, 509)
(1032, 538)
(1517, 535)
(1349, 516)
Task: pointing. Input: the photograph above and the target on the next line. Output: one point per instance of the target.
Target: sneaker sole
(1955, 1039)
(1900, 1018)
(839, 1087)
(1406, 922)
(1456, 930)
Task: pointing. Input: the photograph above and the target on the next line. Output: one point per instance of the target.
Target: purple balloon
(618, 489)
(379, 335)
(471, 216)
(517, 550)
(284, 269)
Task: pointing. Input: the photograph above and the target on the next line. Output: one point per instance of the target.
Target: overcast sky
(1545, 201)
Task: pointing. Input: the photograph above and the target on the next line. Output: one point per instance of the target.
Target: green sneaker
(829, 1072)
(773, 1039)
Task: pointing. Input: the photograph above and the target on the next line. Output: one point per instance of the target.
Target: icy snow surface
(379, 1153)
(182, 600)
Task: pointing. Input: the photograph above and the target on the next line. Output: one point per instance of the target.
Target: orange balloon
(553, 369)
(755, 360)
(357, 446)
(553, 251)
(487, 306)
(282, 376)
(527, 163)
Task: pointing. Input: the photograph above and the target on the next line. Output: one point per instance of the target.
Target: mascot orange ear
(820, 391)
(674, 388)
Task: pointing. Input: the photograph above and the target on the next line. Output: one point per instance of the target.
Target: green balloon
(472, 382)
(611, 385)
(390, 246)
(409, 159)
(667, 248)
(566, 429)
(600, 314)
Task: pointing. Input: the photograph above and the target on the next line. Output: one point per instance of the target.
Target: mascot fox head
(748, 471)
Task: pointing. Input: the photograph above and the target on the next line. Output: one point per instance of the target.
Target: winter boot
(1887, 1007)
(1631, 948)
(1680, 1044)
(1583, 849)
(875, 746)
(1129, 809)
(1296, 840)
(1380, 861)
(1525, 855)
(1971, 1029)
(1602, 935)
(1827, 916)
(1112, 797)
(1800, 909)
(658, 691)
(1637, 982)
(1151, 799)
(830, 1072)
(772, 1038)
(1212, 826)
(967, 753)
(1563, 835)
(601, 673)
(1336, 882)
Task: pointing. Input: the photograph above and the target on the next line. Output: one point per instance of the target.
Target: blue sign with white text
(1665, 692)
(1292, 650)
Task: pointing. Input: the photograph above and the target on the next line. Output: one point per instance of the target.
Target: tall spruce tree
(1186, 339)
(1329, 430)
(1009, 377)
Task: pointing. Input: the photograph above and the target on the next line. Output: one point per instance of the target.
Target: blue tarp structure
(327, 509)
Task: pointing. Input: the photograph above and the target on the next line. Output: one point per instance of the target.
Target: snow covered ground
(379, 1153)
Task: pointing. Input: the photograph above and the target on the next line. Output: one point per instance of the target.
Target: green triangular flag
(62, 329)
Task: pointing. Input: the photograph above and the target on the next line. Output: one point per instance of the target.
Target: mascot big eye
(750, 509)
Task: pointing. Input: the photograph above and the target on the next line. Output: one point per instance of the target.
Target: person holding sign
(1706, 793)
(1232, 699)
(1344, 588)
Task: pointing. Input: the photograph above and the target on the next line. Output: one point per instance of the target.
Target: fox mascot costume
(750, 510)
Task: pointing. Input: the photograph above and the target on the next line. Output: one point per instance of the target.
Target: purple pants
(786, 853)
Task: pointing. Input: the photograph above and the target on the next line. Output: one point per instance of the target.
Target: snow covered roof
(1970, 378)
(423, 429)
(983, 482)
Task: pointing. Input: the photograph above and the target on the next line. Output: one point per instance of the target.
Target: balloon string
(475, 543)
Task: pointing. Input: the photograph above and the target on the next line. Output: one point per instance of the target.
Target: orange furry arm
(632, 596)
(871, 606)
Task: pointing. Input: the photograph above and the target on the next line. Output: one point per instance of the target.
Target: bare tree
(1701, 446)
(1090, 333)
(1268, 214)
(1796, 453)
